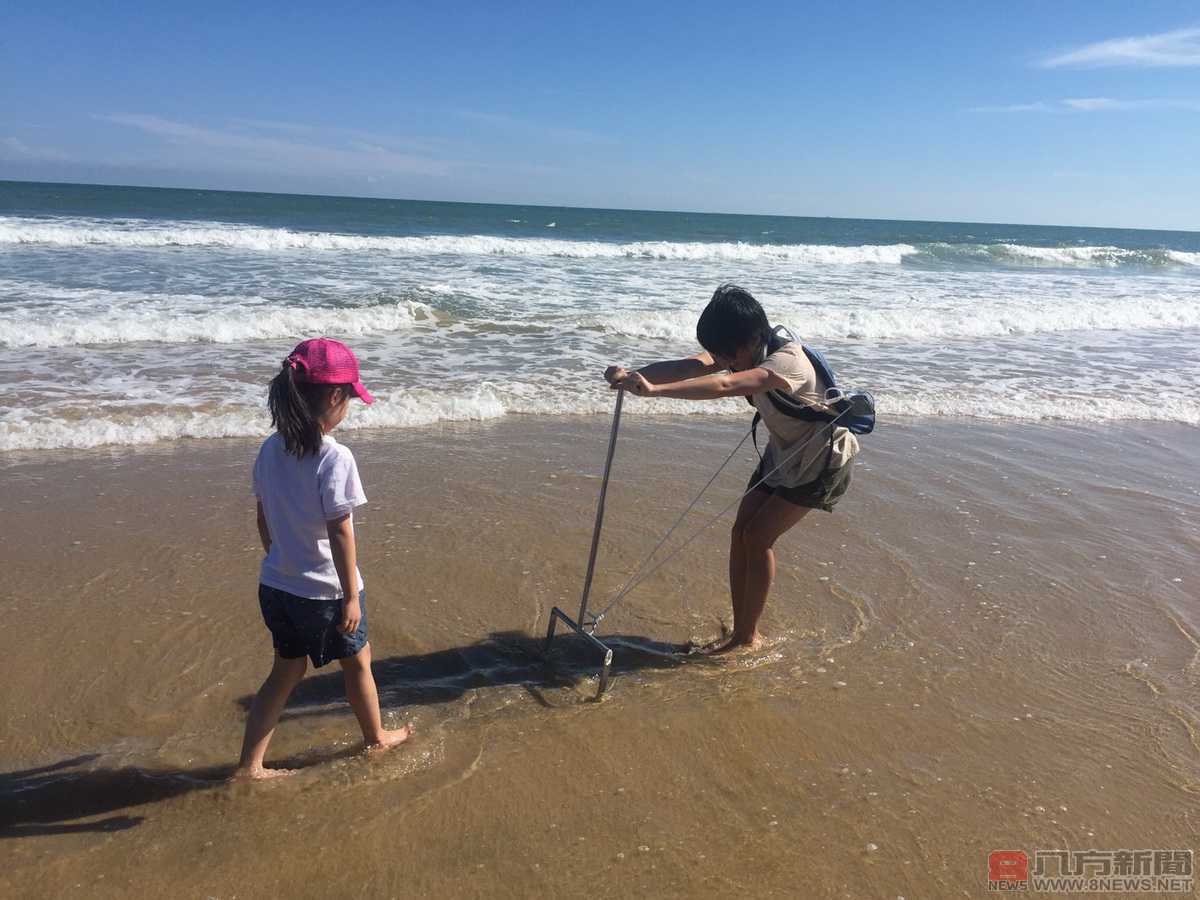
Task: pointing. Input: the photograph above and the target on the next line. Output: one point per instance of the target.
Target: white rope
(635, 579)
(666, 537)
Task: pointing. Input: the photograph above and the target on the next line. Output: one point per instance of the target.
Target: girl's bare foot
(720, 645)
(259, 774)
(389, 739)
(754, 643)
(731, 643)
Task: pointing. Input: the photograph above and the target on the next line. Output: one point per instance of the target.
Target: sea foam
(178, 320)
(925, 320)
(1068, 257)
(419, 408)
(150, 234)
(161, 320)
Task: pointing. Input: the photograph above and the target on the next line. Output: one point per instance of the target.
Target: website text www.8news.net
(1123, 871)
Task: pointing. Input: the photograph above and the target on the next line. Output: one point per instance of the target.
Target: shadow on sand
(73, 796)
(503, 658)
(54, 799)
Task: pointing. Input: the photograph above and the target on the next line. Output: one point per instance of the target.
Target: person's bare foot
(717, 645)
(259, 774)
(389, 739)
(720, 645)
(729, 643)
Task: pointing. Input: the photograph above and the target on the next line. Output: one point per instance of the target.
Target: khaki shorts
(820, 493)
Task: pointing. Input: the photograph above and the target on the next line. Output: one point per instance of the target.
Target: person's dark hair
(732, 319)
(295, 406)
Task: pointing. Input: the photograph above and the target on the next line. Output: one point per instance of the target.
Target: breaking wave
(148, 234)
(418, 408)
(934, 321)
(172, 319)
(1070, 257)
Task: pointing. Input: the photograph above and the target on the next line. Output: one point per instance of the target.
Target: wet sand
(992, 644)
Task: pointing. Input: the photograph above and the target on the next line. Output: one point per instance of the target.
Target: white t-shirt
(298, 497)
(791, 363)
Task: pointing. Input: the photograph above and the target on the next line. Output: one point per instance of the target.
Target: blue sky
(1067, 112)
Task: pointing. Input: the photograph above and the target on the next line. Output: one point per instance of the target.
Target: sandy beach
(991, 644)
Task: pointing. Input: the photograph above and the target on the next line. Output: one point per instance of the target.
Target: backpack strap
(856, 409)
(796, 410)
(788, 405)
(779, 337)
(754, 437)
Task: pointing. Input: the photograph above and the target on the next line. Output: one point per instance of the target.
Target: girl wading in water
(310, 589)
(741, 359)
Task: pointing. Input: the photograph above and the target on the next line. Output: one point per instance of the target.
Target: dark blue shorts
(303, 627)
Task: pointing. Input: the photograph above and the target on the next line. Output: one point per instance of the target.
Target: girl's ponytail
(292, 402)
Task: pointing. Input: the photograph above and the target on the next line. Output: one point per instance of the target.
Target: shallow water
(985, 647)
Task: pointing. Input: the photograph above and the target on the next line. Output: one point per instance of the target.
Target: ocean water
(134, 315)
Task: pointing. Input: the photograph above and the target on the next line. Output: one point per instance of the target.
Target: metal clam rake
(853, 404)
(581, 625)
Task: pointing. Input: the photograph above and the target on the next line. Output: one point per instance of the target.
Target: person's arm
(264, 533)
(345, 560)
(707, 387)
(668, 370)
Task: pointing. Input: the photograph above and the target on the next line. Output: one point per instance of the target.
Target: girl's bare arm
(345, 560)
(707, 387)
(668, 370)
(264, 534)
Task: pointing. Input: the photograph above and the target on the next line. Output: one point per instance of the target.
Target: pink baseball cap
(326, 361)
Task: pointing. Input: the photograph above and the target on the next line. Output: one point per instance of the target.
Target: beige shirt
(791, 364)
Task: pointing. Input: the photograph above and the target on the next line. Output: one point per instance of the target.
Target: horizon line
(693, 212)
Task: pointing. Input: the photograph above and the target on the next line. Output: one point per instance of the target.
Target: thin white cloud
(1171, 48)
(1102, 104)
(1093, 104)
(351, 135)
(286, 153)
(273, 125)
(532, 130)
(13, 148)
(1014, 108)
